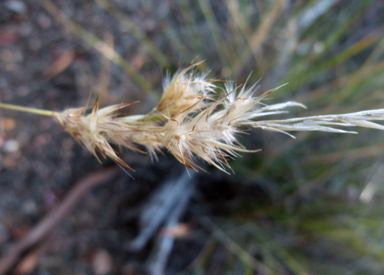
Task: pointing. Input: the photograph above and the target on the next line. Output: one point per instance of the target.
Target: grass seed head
(193, 119)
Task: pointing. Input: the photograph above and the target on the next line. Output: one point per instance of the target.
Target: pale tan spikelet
(90, 131)
(185, 90)
(203, 135)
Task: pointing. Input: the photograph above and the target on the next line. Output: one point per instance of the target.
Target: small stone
(9, 124)
(67, 144)
(8, 163)
(44, 21)
(15, 6)
(23, 91)
(30, 207)
(102, 263)
(41, 140)
(10, 146)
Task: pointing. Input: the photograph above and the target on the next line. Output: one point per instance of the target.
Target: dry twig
(53, 219)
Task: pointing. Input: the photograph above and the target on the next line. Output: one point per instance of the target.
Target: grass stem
(28, 110)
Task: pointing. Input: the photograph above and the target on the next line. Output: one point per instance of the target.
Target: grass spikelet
(193, 119)
(184, 91)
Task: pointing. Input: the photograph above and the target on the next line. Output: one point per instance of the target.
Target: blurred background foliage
(321, 211)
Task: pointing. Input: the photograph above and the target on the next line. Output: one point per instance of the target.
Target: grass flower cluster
(194, 118)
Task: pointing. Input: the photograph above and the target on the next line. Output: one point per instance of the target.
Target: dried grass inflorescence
(194, 118)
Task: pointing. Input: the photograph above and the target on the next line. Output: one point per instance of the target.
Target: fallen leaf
(60, 64)
(180, 230)
(102, 263)
(8, 36)
(27, 264)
